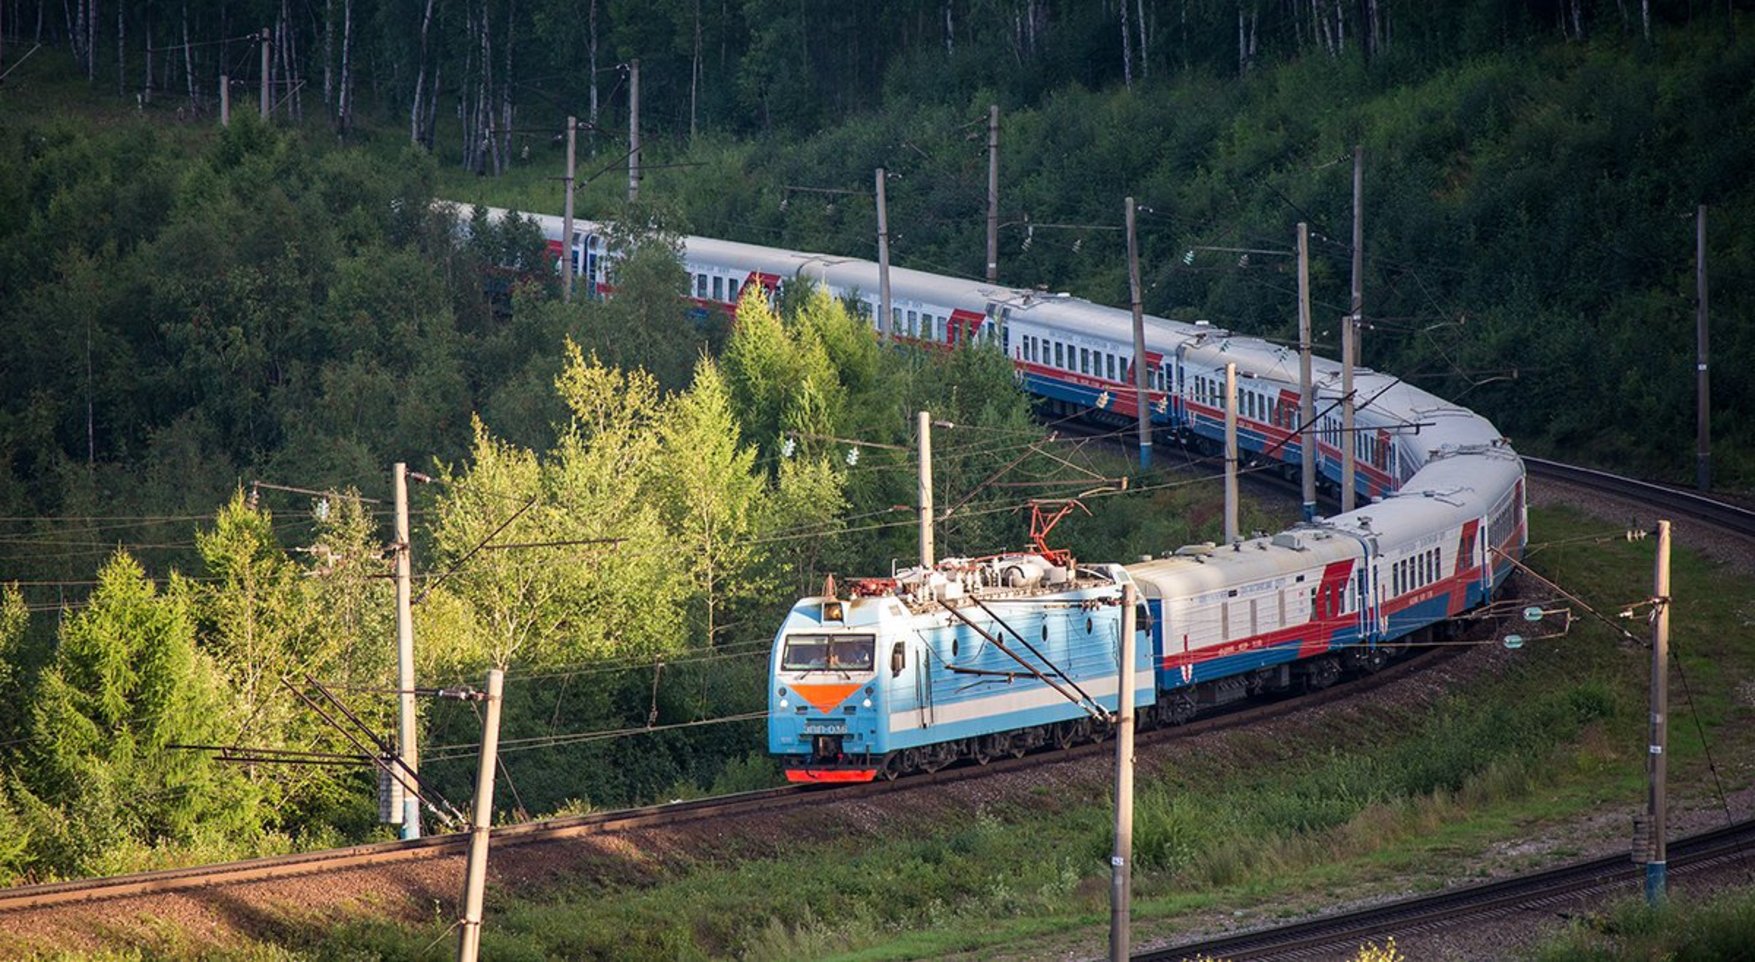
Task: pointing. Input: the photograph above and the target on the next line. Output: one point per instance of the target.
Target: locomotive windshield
(828, 652)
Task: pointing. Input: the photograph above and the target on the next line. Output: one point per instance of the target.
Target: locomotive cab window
(828, 652)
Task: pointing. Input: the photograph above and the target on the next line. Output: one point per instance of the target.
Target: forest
(198, 318)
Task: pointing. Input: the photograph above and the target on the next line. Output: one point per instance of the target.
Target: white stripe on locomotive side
(1036, 697)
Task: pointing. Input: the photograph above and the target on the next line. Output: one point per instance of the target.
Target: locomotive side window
(898, 658)
(719, 288)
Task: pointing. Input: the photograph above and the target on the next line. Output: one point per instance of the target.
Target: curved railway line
(31, 897)
(1664, 499)
(1296, 941)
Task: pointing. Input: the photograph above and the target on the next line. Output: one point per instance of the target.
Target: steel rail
(27, 898)
(1349, 929)
(1680, 501)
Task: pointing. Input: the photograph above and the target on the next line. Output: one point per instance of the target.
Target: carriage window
(1084, 360)
(1059, 358)
(913, 323)
(828, 652)
(719, 288)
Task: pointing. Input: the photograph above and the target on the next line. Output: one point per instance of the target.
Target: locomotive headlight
(784, 703)
(866, 703)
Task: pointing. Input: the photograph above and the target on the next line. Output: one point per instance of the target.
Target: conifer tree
(125, 686)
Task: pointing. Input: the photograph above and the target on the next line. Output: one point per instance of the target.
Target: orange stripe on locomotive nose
(825, 697)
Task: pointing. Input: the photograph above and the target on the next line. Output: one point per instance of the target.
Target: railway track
(1664, 499)
(1541, 891)
(1325, 936)
(25, 899)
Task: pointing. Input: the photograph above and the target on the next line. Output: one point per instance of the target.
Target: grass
(1719, 929)
(1359, 801)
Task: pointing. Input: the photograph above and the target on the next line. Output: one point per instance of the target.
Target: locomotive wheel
(1065, 735)
(891, 769)
(1100, 730)
(910, 760)
(1016, 745)
(983, 750)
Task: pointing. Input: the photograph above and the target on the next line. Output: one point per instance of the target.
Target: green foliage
(1716, 928)
(711, 496)
(101, 785)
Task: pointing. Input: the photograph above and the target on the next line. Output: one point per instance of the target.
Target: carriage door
(592, 267)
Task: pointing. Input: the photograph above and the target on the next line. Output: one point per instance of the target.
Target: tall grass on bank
(1718, 929)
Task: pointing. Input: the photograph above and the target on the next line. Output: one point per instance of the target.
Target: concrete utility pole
(924, 425)
(480, 825)
(567, 212)
(1703, 399)
(1230, 452)
(266, 44)
(1349, 487)
(1657, 798)
(1139, 342)
(883, 261)
(993, 193)
(406, 744)
(633, 130)
(1358, 247)
(225, 101)
(1306, 391)
(1121, 860)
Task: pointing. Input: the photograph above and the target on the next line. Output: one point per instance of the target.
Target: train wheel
(1322, 673)
(891, 769)
(1065, 736)
(983, 749)
(1178, 708)
(910, 760)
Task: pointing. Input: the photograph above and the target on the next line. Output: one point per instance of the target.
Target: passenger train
(976, 657)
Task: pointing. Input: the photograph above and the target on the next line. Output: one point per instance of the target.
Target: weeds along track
(1547, 891)
(389, 855)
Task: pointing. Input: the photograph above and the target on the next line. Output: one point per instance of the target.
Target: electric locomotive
(970, 658)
